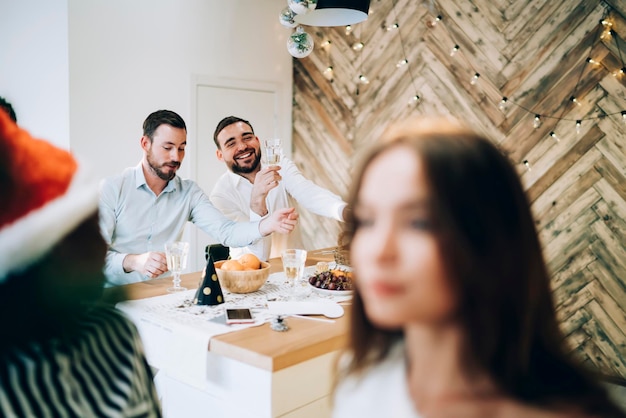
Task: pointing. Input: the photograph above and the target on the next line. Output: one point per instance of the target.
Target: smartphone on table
(239, 316)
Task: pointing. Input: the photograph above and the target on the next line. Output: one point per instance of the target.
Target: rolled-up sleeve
(208, 218)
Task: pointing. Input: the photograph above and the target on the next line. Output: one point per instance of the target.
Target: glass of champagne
(272, 151)
(293, 266)
(176, 253)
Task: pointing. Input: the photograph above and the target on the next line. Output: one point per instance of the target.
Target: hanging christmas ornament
(300, 43)
(302, 6)
(286, 18)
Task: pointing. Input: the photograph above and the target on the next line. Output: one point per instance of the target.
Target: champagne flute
(272, 151)
(176, 253)
(293, 265)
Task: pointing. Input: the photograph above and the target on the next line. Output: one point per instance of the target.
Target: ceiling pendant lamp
(335, 13)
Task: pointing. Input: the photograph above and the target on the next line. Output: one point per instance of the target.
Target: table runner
(176, 333)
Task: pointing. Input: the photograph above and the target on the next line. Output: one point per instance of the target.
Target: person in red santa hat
(62, 352)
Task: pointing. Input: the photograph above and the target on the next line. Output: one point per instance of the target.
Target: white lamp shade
(335, 13)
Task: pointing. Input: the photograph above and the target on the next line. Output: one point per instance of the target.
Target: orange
(232, 265)
(251, 261)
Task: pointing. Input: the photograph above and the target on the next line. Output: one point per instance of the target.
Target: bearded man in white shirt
(250, 191)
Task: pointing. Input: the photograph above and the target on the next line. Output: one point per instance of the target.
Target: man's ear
(145, 143)
(219, 155)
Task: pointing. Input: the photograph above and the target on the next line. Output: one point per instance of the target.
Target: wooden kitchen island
(254, 372)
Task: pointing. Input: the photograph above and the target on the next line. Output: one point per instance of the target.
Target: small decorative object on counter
(209, 291)
(279, 324)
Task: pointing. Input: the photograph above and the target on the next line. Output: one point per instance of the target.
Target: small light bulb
(414, 100)
(474, 79)
(624, 116)
(578, 126)
(537, 121)
(363, 79)
(402, 62)
(605, 22)
(553, 135)
(592, 61)
(357, 46)
(433, 23)
(575, 101)
(454, 50)
(527, 164)
(328, 72)
(348, 29)
(326, 43)
(394, 26)
(503, 104)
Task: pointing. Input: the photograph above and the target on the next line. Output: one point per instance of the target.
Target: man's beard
(237, 169)
(160, 173)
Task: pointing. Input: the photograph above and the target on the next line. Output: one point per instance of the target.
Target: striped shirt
(99, 372)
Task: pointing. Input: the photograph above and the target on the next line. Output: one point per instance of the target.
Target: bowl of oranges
(244, 275)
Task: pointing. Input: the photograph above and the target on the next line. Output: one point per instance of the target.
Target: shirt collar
(237, 179)
(140, 180)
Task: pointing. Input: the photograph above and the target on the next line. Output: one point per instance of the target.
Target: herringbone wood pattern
(535, 53)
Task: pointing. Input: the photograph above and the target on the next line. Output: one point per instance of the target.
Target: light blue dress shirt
(133, 220)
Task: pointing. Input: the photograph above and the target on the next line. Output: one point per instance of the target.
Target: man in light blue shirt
(149, 205)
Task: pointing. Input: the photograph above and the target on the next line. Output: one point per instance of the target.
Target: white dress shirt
(133, 220)
(232, 193)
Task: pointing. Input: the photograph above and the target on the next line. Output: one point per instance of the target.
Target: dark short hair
(4, 104)
(160, 117)
(227, 121)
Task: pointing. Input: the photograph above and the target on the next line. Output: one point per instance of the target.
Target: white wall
(129, 58)
(34, 71)
(86, 73)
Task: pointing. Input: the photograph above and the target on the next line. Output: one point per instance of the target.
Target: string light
(414, 100)
(402, 63)
(454, 50)
(363, 79)
(392, 27)
(433, 23)
(578, 126)
(553, 135)
(575, 101)
(328, 73)
(474, 79)
(537, 121)
(624, 116)
(357, 46)
(592, 61)
(503, 104)
(348, 30)
(527, 164)
(326, 43)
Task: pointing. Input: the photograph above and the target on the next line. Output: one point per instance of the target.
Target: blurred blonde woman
(453, 315)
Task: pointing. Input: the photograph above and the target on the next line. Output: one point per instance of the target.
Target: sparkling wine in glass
(272, 151)
(176, 253)
(293, 266)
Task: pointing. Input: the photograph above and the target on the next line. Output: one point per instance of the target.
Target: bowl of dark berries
(332, 279)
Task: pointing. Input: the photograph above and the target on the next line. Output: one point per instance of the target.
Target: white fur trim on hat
(30, 237)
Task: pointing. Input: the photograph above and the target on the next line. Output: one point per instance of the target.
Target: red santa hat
(44, 195)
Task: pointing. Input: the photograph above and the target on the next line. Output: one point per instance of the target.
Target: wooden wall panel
(535, 53)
